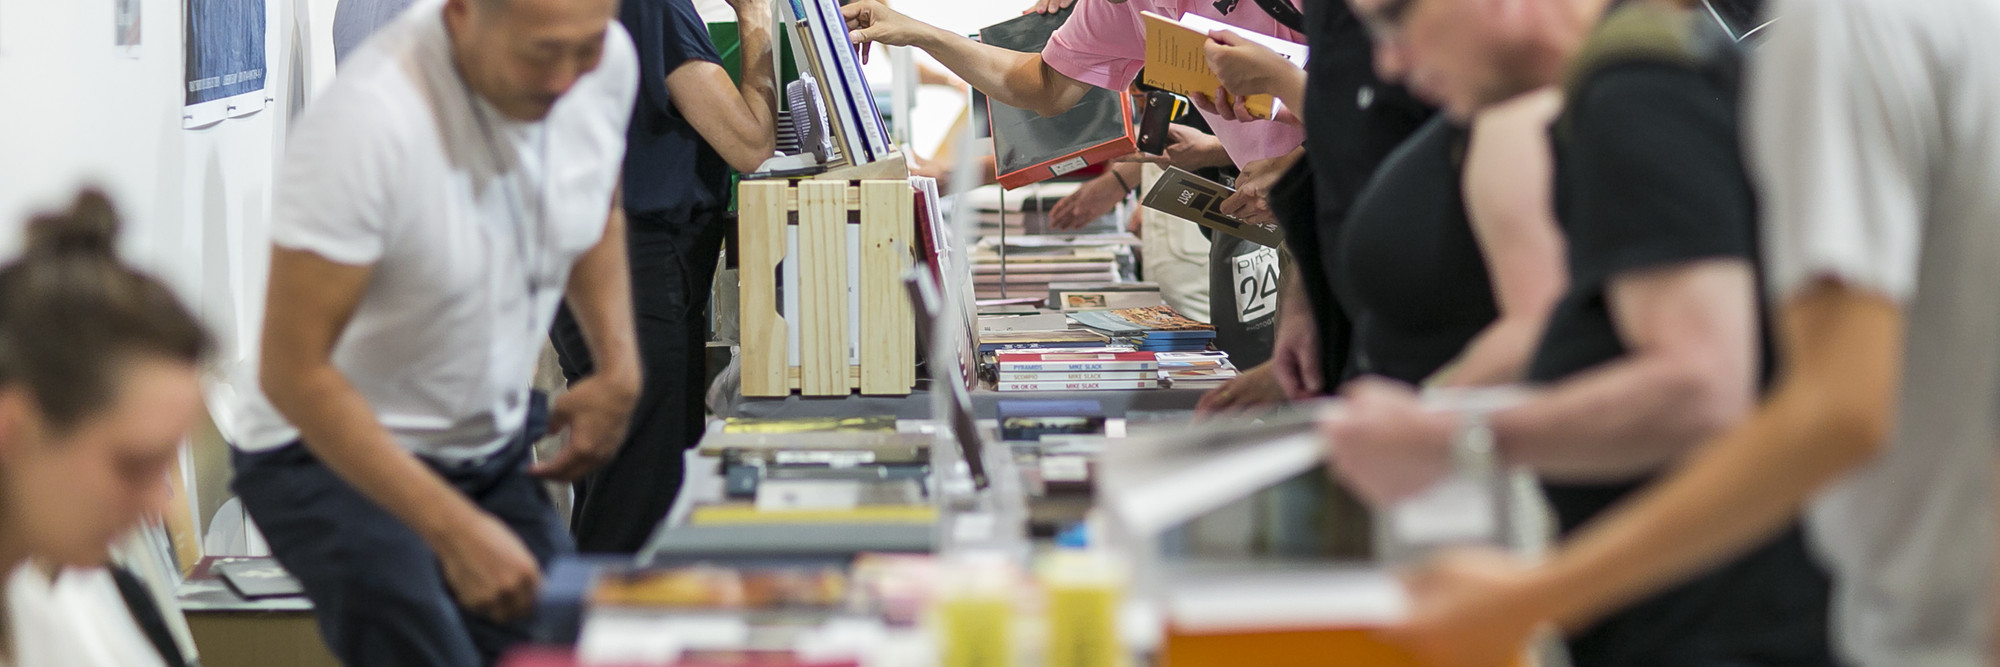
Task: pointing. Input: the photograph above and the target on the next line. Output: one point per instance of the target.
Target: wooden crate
(834, 222)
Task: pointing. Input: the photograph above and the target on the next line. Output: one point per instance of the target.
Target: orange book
(1279, 618)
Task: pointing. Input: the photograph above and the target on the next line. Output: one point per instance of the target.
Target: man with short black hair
(458, 177)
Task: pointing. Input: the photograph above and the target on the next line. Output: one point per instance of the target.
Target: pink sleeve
(1103, 44)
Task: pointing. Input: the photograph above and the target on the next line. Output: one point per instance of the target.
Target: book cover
(1148, 320)
(1175, 62)
(258, 578)
(1199, 200)
(1078, 386)
(1029, 147)
(1005, 366)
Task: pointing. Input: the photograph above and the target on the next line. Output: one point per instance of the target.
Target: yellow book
(1175, 62)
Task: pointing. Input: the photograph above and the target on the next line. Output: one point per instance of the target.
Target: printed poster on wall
(225, 60)
(127, 24)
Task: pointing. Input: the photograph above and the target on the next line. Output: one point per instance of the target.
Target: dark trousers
(673, 268)
(379, 592)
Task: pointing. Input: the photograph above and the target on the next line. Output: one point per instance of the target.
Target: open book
(1174, 59)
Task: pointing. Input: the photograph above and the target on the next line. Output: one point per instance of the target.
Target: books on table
(1155, 328)
(1175, 61)
(1058, 338)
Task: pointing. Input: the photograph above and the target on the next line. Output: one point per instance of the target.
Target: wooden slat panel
(823, 288)
(886, 211)
(761, 245)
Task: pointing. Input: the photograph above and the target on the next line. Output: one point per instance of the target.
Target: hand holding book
(1248, 68)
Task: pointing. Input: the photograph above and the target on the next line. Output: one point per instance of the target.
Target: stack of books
(1152, 329)
(1029, 273)
(1196, 370)
(1035, 370)
(995, 341)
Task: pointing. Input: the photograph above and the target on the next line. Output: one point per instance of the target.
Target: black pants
(376, 586)
(673, 268)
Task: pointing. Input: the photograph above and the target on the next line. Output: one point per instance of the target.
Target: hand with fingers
(1254, 388)
(1384, 444)
(595, 414)
(1192, 149)
(872, 21)
(489, 570)
(1253, 186)
(1092, 200)
(1248, 68)
(1471, 608)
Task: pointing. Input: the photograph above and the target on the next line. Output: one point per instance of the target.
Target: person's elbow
(1852, 428)
(282, 376)
(1704, 397)
(749, 153)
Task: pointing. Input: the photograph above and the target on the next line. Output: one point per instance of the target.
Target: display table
(917, 405)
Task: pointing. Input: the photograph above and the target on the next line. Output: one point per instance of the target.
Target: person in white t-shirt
(1872, 132)
(456, 180)
(100, 371)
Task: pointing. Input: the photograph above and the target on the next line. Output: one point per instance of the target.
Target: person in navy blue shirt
(691, 124)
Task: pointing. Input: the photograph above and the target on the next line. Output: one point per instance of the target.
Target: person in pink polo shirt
(1102, 45)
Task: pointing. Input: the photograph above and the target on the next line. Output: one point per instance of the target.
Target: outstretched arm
(1011, 77)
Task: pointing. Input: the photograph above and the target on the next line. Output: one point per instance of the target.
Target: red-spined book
(1052, 362)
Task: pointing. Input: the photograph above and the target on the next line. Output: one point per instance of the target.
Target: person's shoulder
(617, 73)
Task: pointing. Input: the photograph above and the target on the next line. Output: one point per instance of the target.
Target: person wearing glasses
(1659, 341)
(1871, 132)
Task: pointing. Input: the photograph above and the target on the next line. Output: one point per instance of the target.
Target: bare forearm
(600, 296)
(760, 86)
(341, 430)
(1739, 491)
(1498, 355)
(1625, 418)
(1291, 89)
(1011, 77)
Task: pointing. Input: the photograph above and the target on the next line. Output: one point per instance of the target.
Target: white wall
(196, 203)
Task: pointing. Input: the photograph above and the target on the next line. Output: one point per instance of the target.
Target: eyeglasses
(1225, 6)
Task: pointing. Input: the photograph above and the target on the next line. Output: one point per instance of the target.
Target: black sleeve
(1659, 176)
(147, 615)
(667, 34)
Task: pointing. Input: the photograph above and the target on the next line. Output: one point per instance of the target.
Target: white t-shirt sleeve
(334, 190)
(1842, 128)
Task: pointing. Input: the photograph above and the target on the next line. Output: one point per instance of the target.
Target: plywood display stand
(822, 210)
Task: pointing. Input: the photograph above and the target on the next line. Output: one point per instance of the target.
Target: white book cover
(1292, 51)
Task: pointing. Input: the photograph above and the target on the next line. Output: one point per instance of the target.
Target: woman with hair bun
(99, 385)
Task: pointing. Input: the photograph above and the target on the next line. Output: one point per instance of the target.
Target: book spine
(1078, 386)
(1076, 366)
(860, 98)
(1075, 376)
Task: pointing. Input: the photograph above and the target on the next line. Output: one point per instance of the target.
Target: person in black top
(1352, 121)
(691, 125)
(1450, 259)
(1659, 342)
